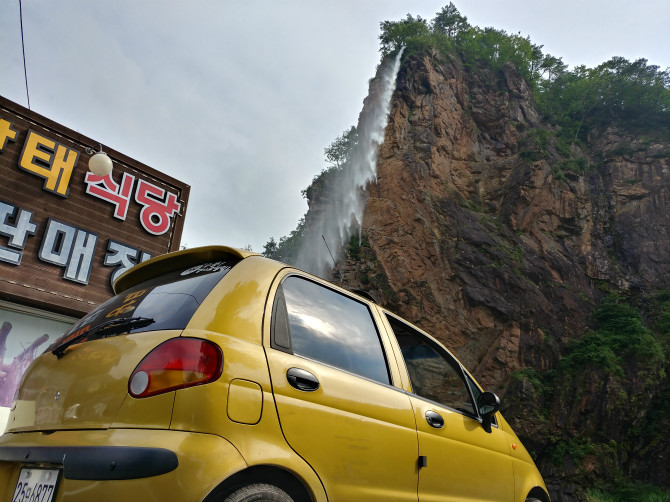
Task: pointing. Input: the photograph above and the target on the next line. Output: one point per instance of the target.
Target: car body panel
(202, 459)
(235, 306)
(525, 473)
(88, 386)
(353, 438)
(458, 453)
(359, 435)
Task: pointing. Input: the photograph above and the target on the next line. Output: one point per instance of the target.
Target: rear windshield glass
(167, 301)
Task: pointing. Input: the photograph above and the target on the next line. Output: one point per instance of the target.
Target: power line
(23, 48)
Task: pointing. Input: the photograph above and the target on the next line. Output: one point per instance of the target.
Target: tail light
(176, 364)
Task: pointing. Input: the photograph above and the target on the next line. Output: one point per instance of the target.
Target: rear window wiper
(116, 326)
(107, 328)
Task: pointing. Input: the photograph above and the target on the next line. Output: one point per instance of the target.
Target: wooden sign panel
(66, 234)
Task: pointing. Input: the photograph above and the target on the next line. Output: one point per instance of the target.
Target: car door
(459, 460)
(334, 393)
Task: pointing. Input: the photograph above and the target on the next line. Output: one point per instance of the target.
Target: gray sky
(239, 98)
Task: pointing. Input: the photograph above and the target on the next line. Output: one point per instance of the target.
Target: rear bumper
(96, 462)
(121, 464)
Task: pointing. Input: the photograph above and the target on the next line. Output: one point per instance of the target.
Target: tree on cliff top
(450, 32)
(409, 32)
(617, 91)
(449, 21)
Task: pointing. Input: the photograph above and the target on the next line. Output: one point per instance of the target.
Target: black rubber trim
(99, 463)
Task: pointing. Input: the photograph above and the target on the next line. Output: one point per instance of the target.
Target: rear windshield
(167, 301)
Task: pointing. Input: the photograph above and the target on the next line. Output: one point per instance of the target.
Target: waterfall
(340, 213)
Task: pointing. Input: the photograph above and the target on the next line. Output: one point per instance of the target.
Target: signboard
(65, 233)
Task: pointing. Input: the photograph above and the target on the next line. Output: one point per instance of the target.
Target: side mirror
(487, 404)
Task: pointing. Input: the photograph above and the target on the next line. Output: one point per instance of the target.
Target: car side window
(433, 373)
(314, 321)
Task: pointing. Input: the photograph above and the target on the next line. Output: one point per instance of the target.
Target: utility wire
(23, 48)
(331, 255)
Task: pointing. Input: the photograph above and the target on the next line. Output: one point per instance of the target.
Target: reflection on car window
(433, 374)
(328, 327)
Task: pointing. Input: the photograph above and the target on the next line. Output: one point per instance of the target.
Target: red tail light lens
(176, 364)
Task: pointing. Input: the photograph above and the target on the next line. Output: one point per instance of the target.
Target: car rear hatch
(82, 380)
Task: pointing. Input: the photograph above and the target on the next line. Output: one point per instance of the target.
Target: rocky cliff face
(480, 232)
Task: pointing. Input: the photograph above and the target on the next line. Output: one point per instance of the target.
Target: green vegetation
(630, 493)
(620, 336)
(535, 144)
(661, 321)
(618, 92)
(603, 407)
(592, 413)
(576, 448)
(542, 383)
(337, 155)
(633, 94)
(286, 250)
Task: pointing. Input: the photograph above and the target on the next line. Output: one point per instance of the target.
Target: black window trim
(353, 297)
(469, 378)
(279, 302)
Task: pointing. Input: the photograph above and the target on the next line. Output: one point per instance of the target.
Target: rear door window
(167, 301)
(314, 321)
(433, 373)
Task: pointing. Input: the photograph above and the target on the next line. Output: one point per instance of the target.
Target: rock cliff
(480, 231)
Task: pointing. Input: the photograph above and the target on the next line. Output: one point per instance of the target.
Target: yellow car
(216, 374)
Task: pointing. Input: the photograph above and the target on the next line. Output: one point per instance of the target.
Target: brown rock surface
(498, 255)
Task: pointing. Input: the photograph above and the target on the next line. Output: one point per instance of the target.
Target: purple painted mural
(12, 371)
(24, 335)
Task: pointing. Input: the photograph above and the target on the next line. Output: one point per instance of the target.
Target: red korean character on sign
(158, 207)
(104, 187)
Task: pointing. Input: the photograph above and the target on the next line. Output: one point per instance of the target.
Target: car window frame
(386, 349)
(442, 351)
(473, 384)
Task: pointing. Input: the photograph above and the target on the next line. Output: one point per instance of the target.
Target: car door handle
(434, 419)
(302, 380)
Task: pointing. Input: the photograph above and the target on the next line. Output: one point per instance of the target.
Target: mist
(339, 214)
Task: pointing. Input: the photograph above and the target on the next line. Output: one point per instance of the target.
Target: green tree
(288, 247)
(617, 91)
(338, 151)
(449, 21)
(270, 249)
(395, 34)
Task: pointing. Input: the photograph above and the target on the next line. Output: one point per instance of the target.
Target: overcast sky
(239, 98)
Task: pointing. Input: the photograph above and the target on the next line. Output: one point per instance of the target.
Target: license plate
(36, 485)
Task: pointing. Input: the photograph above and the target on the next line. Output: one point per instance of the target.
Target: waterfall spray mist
(341, 212)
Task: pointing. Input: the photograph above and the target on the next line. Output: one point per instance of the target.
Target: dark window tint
(167, 301)
(316, 322)
(433, 373)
